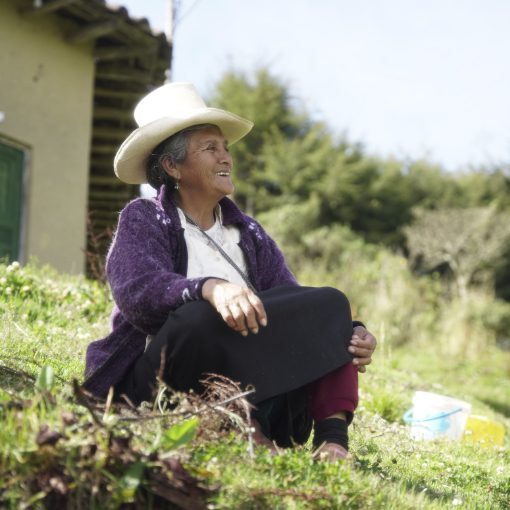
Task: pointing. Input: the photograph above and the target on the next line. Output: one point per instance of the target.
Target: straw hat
(162, 113)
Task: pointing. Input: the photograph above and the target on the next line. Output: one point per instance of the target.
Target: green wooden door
(11, 181)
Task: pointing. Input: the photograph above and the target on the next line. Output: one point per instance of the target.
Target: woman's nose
(225, 156)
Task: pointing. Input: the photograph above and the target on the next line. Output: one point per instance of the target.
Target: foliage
(54, 454)
(266, 101)
(398, 306)
(58, 455)
(289, 159)
(467, 241)
(41, 295)
(339, 215)
(38, 307)
(484, 187)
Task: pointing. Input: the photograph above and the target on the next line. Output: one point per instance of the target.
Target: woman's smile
(207, 171)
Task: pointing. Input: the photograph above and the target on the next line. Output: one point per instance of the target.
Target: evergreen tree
(303, 178)
(266, 101)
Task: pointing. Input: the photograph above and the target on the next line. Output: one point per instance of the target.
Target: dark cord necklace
(221, 250)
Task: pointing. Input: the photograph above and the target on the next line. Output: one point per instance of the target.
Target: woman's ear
(170, 168)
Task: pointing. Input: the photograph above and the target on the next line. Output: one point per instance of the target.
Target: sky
(407, 78)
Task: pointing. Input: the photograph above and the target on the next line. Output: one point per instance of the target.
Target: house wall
(46, 91)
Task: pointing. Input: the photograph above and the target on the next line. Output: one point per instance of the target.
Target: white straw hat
(162, 113)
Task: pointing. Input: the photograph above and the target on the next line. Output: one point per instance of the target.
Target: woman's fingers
(363, 338)
(239, 317)
(258, 306)
(239, 307)
(226, 315)
(359, 352)
(361, 361)
(250, 315)
(362, 346)
(366, 341)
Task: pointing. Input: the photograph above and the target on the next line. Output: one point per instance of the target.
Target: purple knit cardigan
(146, 268)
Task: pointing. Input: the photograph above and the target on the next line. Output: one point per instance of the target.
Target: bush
(39, 293)
(400, 308)
(47, 318)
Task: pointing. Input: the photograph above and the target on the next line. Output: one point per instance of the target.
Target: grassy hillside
(60, 450)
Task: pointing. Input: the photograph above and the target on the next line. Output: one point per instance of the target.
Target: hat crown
(174, 100)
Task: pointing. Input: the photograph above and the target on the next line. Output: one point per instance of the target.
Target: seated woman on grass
(201, 288)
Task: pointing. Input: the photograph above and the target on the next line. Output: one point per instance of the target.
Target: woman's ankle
(341, 415)
(331, 430)
(261, 439)
(331, 452)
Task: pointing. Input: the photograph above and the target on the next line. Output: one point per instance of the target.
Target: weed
(60, 451)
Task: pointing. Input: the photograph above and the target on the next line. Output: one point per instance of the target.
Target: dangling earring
(176, 186)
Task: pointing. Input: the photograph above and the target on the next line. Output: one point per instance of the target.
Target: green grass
(54, 455)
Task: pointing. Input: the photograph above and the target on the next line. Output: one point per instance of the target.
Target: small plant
(61, 449)
(95, 253)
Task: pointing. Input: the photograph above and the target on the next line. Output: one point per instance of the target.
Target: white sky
(406, 77)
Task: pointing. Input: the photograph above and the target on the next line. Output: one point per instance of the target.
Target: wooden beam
(104, 179)
(104, 149)
(109, 113)
(119, 52)
(101, 163)
(108, 211)
(113, 185)
(100, 213)
(101, 224)
(119, 93)
(110, 195)
(93, 31)
(106, 133)
(123, 73)
(105, 227)
(108, 208)
(47, 7)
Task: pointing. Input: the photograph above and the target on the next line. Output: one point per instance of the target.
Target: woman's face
(207, 169)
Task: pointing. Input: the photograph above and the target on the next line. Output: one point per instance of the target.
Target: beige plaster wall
(46, 90)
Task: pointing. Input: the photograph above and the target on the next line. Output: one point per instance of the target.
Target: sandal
(260, 439)
(331, 452)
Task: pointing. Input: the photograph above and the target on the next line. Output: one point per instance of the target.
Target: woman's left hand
(363, 345)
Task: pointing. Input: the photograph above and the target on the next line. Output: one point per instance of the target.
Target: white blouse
(204, 259)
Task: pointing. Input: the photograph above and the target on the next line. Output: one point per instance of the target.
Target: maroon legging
(335, 392)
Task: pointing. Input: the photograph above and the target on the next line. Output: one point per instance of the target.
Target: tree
(470, 242)
(266, 101)
(291, 162)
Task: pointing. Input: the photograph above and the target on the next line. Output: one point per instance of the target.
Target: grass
(57, 453)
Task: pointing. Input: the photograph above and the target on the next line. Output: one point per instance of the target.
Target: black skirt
(307, 336)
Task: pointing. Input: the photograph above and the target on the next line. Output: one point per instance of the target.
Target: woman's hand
(240, 308)
(363, 345)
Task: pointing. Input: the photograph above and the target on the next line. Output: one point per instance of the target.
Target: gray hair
(175, 148)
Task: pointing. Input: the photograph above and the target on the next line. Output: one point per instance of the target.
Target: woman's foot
(330, 452)
(331, 439)
(260, 439)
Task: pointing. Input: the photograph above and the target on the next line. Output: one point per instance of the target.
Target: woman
(200, 288)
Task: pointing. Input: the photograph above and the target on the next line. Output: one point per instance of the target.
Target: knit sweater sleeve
(140, 268)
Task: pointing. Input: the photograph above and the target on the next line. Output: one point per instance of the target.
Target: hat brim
(131, 159)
